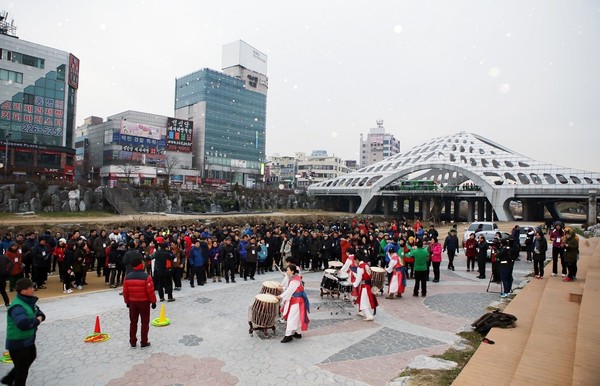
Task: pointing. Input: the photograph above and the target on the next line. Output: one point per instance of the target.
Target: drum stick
(279, 269)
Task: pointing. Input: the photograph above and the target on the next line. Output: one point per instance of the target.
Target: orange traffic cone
(97, 327)
(98, 335)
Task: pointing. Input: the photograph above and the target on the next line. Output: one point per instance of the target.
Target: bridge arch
(501, 174)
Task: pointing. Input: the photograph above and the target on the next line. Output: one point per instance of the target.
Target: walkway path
(208, 343)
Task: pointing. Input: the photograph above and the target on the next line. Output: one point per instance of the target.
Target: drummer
(286, 279)
(366, 301)
(397, 280)
(295, 306)
(349, 268)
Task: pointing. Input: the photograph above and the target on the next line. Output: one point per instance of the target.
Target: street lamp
(6, 137)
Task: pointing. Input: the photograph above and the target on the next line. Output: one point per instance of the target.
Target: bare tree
(170, 163)
(129, 169)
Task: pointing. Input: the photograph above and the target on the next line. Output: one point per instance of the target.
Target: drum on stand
(345, 287)
(271, 287)
(329, 282)
(265, 310)
(331, 271)
(335, 264)
(378, 277)
(343, 276)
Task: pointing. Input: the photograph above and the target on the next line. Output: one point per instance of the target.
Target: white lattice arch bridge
(499, 174)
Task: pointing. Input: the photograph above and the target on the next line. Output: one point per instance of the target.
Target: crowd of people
(199, 252)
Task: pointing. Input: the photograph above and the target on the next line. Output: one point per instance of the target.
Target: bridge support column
(592, 217)
(351, 207)
(456, 215)
(387, 206)
(480, 211)
(411, 207)
(489, 211)
(532, 210)
(471, 211)
(448, 208)
(526, 210)
(425, 209)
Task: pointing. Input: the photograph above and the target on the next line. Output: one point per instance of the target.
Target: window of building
(60, 72)
(48, 160)
(27, 60)
(9, 75)
(28, 99)
(23, 158)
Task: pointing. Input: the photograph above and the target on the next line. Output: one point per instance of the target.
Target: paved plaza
(208, 341)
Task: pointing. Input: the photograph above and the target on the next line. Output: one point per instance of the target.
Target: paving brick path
(208, 343)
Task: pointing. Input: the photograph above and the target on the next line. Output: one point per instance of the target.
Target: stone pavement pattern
(208, 343)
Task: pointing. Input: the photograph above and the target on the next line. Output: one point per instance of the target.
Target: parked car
(523, 230)
(490, 235)
(490, 238)
(485, 226)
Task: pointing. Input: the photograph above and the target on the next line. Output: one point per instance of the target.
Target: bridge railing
(433, 188)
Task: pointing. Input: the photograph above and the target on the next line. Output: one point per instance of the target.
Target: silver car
(479, 226)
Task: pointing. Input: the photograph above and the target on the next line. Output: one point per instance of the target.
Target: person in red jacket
(470, 248)
(138, 294)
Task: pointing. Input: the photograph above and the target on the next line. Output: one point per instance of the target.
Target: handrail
(127, 196)
(111, 197)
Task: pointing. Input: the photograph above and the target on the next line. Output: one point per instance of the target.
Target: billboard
(140, 130)
(243, 54)
(138, 142)
(40, 115)
(179, 135)
(73, 71)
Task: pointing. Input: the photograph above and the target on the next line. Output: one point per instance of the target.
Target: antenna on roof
(6, 27)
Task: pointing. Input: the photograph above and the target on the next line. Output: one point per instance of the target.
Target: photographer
(505, 260)
(496, 244)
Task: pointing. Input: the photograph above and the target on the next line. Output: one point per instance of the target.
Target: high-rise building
(38, 100)
(378, 145)
(228, 109)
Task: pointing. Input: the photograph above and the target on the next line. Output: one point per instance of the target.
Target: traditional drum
(329, 282)
(331, 271)
(336, 264)
(342, 276)
(345, 287)
(271, 287)
(265, 310)
(378, 277)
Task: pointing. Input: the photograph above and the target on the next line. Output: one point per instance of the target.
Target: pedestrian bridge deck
(556, 340)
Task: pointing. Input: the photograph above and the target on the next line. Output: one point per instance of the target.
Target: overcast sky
(525, 74)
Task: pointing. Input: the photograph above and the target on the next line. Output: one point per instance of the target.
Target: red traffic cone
(97, 327)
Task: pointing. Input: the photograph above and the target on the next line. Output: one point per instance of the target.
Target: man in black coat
(163, 281)
(40, 258)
